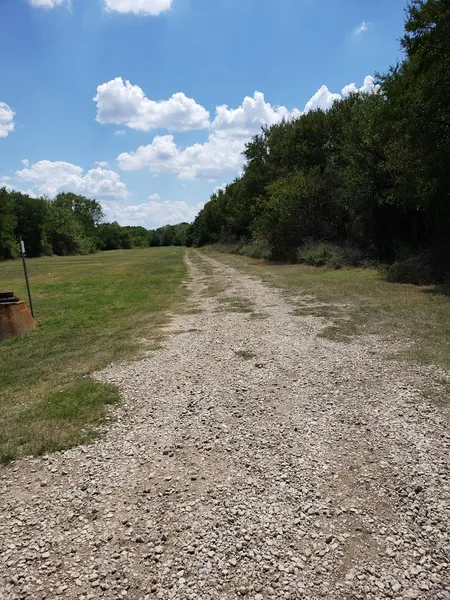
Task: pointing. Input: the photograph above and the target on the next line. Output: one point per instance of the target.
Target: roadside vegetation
(360, 302)
(365, 182)
(91, 310)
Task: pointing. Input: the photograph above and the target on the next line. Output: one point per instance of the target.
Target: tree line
(367, 180)
(71, 224)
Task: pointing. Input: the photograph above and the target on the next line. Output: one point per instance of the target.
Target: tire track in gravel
(250, 459)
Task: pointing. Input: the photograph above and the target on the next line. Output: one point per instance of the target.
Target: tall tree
(8, 222)
(418, 112)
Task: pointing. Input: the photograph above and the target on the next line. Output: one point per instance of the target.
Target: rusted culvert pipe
(15, 317)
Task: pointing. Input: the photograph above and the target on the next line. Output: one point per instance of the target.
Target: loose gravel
(251, 458)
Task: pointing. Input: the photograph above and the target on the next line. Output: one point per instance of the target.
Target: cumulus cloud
(219, 188)
(122, 103)
(14, 188)
(369, 87)
(323, 99)
(221, 155)
(152, 214)
(154, 197)
(101, 163)
(139, 7)
(6, 120)
(50, 178)
(46, 3)
(120, 132)
(361, 28)
(207, 161)
(250, 116)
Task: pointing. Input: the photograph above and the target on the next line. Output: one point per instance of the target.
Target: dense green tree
(71, 224)
(371, 172)
(66, 234)
(139, 236)
(8, 222)
(88, 213)
(33, 217)
(113, 237)
(417, 115)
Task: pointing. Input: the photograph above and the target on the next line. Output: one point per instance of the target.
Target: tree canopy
(70, 224)
(371, 173)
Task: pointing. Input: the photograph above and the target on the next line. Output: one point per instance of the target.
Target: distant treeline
(71, 224)
(368, 180)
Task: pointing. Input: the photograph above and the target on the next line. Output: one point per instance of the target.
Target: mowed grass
(360, 301)
(91, 310)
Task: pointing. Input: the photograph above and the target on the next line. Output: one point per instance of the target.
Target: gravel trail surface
(251, 458)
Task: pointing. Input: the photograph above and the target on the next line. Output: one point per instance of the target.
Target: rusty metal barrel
(15, 318)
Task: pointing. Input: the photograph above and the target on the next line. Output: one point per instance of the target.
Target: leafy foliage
(71, 224)
(370, 175)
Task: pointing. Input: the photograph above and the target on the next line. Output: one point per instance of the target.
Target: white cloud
(201, 161)
(6, 120)
(323, 99)
(221, 154)
(50, 178)
(101, 163)
(120, 132)
(369, 87)
(152, 214)
(14, 188)
(5, 178)
(218, 188)
(247, 119)
(137, 7)
(25, 162)
(122, 103)
(361, 28)
(155, 197)
(46, 3)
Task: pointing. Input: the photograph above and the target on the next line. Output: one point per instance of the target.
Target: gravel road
(251, 458)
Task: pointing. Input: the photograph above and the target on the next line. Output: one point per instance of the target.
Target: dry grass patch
(361, 301)
(235, 304)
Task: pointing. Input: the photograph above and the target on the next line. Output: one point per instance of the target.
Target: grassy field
(91, 310)
(360, 301)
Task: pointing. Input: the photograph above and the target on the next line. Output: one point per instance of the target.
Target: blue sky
(146, 105)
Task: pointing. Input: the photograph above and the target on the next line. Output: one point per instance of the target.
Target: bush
(257, 249)
(224, 248)
(324, 254)
(426, 268)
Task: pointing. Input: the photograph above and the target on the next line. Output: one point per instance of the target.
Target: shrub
(324, 254)
(224, 248)
(257, 249)
(426, 268)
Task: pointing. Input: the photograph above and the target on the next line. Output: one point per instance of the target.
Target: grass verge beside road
(91, 310)
(361, 301)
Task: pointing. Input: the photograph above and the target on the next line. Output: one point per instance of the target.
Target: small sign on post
(22, 252)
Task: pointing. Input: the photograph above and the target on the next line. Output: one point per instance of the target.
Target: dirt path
(251, 459)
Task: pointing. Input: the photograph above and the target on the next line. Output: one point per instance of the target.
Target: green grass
(361, 301)
(91, 310)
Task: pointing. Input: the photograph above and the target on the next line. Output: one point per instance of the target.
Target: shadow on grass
(439, 290)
